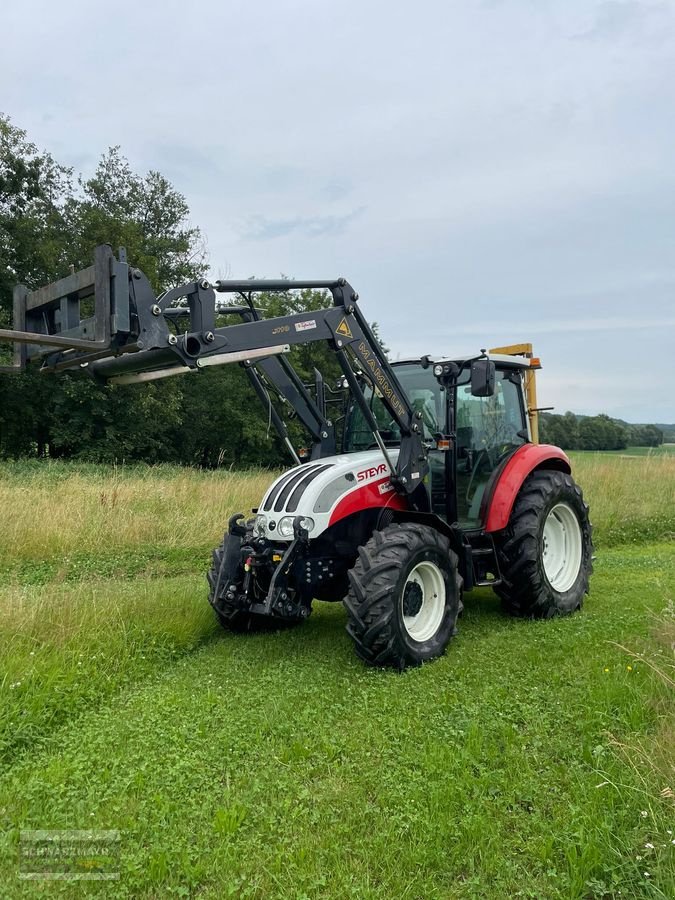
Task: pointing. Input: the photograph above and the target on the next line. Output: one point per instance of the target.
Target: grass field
(663, 450)
(534, 760)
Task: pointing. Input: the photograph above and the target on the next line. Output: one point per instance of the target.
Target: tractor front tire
(546, 552)
(404, 596)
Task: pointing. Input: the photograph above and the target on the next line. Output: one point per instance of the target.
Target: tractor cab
(469, 435)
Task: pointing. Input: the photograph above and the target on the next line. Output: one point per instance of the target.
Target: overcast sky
(482, 171)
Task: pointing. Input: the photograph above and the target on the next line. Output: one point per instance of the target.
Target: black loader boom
(107, 320)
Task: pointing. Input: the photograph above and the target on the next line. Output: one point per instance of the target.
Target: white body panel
(314, 490)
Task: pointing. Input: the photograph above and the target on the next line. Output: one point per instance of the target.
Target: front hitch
(283, 598)
(254, 562)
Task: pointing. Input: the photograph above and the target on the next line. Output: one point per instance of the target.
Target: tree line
(571, 432)
(51, 220)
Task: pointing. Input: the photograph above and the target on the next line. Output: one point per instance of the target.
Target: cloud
(580, 324)
(481, 172)
(260, 228)
(634, 19)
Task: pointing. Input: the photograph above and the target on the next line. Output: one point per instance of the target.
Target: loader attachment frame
(55, 312)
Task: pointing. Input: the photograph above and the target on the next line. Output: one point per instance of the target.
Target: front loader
(432, 484)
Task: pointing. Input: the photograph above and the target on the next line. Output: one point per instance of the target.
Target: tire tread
(372, 580)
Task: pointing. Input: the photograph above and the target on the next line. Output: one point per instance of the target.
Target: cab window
(423, 392)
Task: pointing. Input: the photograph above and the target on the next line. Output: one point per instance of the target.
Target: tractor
(428, 482)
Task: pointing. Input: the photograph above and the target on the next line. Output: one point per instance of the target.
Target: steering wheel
(511, 433)
(508, 440)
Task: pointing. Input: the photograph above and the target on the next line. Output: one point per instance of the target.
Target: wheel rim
(561, 547)
(423, 601)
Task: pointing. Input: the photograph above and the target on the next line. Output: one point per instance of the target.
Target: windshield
(423, 392)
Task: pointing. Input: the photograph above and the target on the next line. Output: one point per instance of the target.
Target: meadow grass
(79, 520)
(66, 647)
(632, 499)
(533, 760)
(63, 521)
(661, 450)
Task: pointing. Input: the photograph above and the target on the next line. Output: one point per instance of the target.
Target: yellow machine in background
(525, 350)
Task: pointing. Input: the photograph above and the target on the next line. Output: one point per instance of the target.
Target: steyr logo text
(372, 472)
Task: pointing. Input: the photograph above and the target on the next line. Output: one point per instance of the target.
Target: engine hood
(325, 491)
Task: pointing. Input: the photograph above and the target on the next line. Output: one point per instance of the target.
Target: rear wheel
(404, 596)
(545, 553)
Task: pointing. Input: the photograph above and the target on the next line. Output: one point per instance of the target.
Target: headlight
(438, 370)
(260, 524)
(285, 528)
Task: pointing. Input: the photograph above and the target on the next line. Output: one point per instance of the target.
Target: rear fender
(510, 479)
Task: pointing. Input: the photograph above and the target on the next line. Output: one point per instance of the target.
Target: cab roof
(505, 359)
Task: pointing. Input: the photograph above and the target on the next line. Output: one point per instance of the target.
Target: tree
(570, 426)
(601, 433)
(48, 222)
(645, 436)
(149, 217)
(33, 241)
(45, 226)
(33, 194)
(145, 214)
(561, 431)
(594, 432)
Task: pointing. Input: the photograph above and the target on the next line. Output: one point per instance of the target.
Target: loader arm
(107, 320)
(278, 371)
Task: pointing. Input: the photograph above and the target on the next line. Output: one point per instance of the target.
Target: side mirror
(482, 378)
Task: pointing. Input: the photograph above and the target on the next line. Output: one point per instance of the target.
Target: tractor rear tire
(546, 552)
(230, 616)
(404, 596)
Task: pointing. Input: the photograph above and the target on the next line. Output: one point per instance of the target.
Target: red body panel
(525, 460)
(369, 496)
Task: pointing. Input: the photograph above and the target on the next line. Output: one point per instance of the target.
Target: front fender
(509, 481)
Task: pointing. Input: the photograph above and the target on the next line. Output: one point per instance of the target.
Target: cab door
(488, 429)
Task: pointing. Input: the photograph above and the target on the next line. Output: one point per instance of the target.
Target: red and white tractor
(430, 481)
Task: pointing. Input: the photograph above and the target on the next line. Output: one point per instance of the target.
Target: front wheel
(546, 552)
(404, 596)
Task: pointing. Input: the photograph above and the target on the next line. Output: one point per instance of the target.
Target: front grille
(300, 489)
(279, 485)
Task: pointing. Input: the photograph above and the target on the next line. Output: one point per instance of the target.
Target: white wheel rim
(427, 620)
(561, 547)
